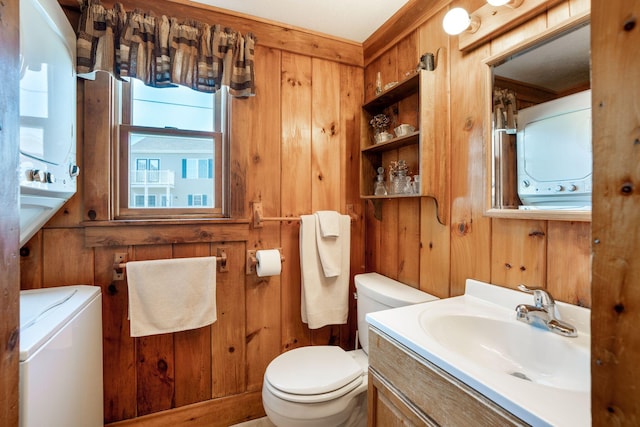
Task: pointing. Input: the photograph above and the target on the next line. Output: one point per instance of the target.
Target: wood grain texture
(70, 265)
(193, 347)
(615, 342)
(9, 217)
(296, 180)
(518, 253)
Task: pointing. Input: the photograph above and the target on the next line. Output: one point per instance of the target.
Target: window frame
(122, 172)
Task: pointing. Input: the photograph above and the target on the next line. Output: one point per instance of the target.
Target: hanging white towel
(329, 223)
(171, 295)
(325, 300)
(329, 244)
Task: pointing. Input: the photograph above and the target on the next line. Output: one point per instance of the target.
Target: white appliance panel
(61, 381)
(47, 113)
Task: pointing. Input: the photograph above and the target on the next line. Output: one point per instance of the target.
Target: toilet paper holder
(252, 261)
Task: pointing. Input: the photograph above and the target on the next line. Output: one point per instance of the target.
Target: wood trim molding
(269, 33)
(495, 21)
(400, 25)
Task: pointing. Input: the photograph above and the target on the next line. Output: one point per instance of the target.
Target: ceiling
(353, 20)
(558, 65)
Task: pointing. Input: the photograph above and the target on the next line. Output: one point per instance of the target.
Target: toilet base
(354, 415)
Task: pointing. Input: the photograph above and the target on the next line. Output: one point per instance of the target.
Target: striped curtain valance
(164, 51)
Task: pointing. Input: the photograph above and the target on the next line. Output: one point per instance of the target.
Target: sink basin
(513, 348)
(539, 376)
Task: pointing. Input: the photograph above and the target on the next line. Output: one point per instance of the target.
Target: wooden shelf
(420, 100)
(394, 143)
(394, 94)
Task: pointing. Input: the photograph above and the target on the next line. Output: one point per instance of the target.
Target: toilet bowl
(326, 386)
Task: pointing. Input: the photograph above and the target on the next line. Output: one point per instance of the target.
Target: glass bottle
(379, 188)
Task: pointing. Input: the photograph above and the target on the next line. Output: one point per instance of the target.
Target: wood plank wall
(284, 136)
(553, 254)
(9, 222)
(294, 149)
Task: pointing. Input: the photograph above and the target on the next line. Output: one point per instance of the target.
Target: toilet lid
(312, 370)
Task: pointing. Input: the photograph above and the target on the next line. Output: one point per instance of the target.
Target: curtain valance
(163, 51)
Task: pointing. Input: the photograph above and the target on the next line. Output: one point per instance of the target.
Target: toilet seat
(313, 374)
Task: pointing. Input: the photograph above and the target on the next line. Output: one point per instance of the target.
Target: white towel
(325, 300)
(171, 295)
(329, 247)
(329, 222)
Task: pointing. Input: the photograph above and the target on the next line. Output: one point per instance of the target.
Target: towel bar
(120, 263)
(258, 217)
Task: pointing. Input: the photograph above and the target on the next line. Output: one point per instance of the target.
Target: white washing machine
(61, 357)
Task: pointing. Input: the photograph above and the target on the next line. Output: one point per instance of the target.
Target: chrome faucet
(543, 312)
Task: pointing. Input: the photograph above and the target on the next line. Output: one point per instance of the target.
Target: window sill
(128, 232)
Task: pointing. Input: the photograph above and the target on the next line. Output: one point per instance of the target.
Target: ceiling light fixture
(509, 3)
(458, 20)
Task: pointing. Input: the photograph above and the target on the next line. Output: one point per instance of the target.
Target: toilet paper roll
(269, 263)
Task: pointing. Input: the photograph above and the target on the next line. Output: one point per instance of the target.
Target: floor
(260, 422)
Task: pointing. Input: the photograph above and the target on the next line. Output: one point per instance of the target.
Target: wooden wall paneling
(118, 347)
(228, 334)
(435, 248)
(295, 188)
(372, 238)
(31, 265)
(193, 347)
(263, 322)
(519, 34)
(412, 15)
(470, 229)
(326, 156)
(518, 252)
(615, 315)
(263, 313)
(388, 248)
(351, 97)
(569, 262)
(96, 142)
(223, 412)
(409, 241)
(155, 357)
(9, 219)
(71, 264)
(578, 6)
(269, 34)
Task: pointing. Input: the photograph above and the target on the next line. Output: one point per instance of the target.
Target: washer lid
(312, 370)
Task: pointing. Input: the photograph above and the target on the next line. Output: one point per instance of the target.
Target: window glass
(172, 146)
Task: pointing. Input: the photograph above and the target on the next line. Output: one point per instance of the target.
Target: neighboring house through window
(172, 152)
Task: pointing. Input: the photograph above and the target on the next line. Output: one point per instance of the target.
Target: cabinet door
(387, 408)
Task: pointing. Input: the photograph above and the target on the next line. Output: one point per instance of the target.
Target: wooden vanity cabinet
(407, 390)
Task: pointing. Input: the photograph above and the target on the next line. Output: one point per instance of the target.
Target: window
(171, 152)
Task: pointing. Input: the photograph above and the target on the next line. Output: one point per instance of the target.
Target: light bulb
(457, 20)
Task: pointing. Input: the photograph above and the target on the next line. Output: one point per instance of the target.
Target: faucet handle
(542, 298)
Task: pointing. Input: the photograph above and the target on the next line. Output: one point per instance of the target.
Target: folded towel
(171, 295)
(329, 222)
(329, 249)
(325, 300)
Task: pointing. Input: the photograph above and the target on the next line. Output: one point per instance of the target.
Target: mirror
(539, 157)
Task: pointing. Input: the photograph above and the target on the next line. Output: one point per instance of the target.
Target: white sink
(513, 348)
(537, 375)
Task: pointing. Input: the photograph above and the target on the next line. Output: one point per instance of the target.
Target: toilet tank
(377, 292)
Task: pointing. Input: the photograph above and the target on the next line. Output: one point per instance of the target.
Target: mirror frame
(490, 210)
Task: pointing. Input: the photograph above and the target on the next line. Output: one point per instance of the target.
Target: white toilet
(325, 386)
